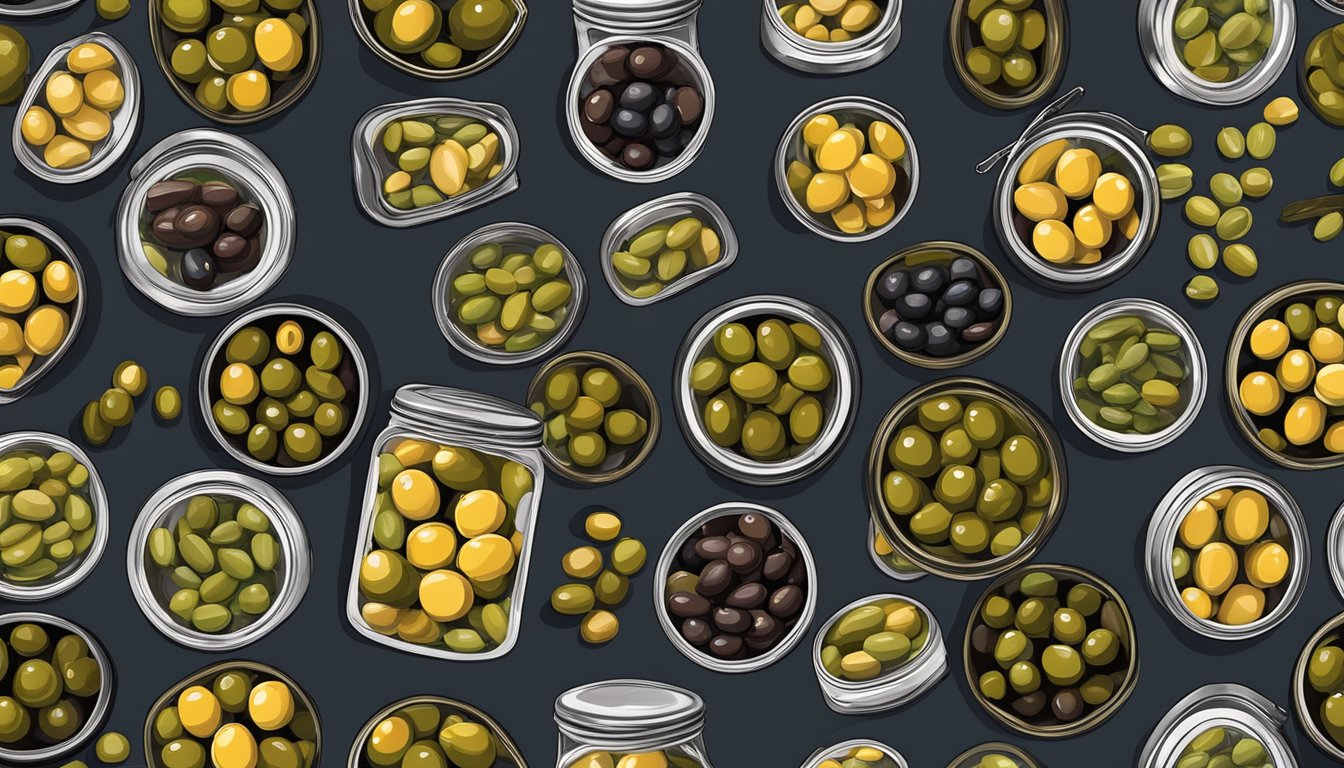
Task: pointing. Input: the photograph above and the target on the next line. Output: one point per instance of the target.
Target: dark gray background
(376, 281)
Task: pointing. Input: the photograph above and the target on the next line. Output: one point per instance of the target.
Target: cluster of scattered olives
(594, 582)
(115, 408)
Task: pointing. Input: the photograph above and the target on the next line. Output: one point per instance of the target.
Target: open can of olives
(60, 251)
(153, 588)
(435, 711)
(888, 686)
(1220, 719)
(631, 717)
(1318, 680)
(857, 753)
(887, 560)
(228, 157)
(668, 210)
(124, 120)
(29, 8)
(994, 754)
(832, 56)
(426, 64)
(1210, 64)
(1010, 75)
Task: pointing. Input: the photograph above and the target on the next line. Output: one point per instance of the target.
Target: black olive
(893, 284)
(914, 306)
(909, 336)
(957, 318)
(929, 279)
(198, 269)
(629, 123)
(962, 293)
(942, 340)
(963, 268)
(663, 121)
(668, 147)
(640, 97)
(990, 303)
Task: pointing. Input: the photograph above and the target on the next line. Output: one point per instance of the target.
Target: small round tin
(60, 249)
(839, 752)
(1051, 54)
(1162, 51)
(892, 565)
(457, 261)
(77, 569)
(973, 757)
(897, 688)
(28, 8)
(830, 58)
(125, 119)
(167, 506)
(1164, 526)
(371, 165)
(846, 109)
(1234, 708)
(630, 716)
(669, 208)
(665, 567)
(1307, 700)
(363, 20)
(1195, 385)
(243, 164)
(1113, 138)
(840, 406)
(507, 753)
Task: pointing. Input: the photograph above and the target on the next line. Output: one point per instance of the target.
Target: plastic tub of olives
(830, 58)
(125, 119)
(222, 155)
(839, 753)
(1120, 145)
(507, 753)
(1308, 701)
(897, 687)
(1007, 755)
(458, 261)
(862, 111)
(60, 249)
(34, 7)
(371, 165)
(1164, 52)
(166, 507)
(1218, 716)
(1193, 388)
(365, 21)
(668, 209)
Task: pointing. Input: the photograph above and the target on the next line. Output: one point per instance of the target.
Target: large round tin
(830, 58)
(629, 716)
(972, 757)
(840, 406)
(508, 755)
(59, 248)
(1219, 705)
(1160, 50)
(838, 752)
(1000, 95)
(364, 28)
(242, 163)
(897, 688)
(669, 208)
(1306, 699)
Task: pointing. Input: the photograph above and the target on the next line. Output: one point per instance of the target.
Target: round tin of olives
(630, 716)
(364, 27)
(506, 750)
(1229, 707)
(830, 57)
(670, 208)
(60, 248)
(1050, 55)
(1164, 53)
(839, 752)
(895, 688)
(1307, 701)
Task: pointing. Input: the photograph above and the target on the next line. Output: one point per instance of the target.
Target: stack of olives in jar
(1324, 74)
(656, 257)
(512, 298)
(73, 117)
(39, 291)
(594, 582)
(1078, 203)
(432, 734)
(854, 176)
(1133, 375)
(416, 31)
(51, 684)
(445, 546)
(1324, 688)
(1225, 746)
(594, 418)
(1222, 40)
(1007, 37)
(831, 21)
(47, 522)
(429, 159)
(199, 231)
(873, 639)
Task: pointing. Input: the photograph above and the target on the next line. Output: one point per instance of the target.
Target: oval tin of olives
(1049, 71)
(35, 7)
(838, 752)
(669, 208)
(629, 716)
(972, 757)
(168, 504)
(1162, 533)
(902, 685)
(1307, 711)
(125, 119)
(1228, 706)
(366, 33)
(103, 704)
(506, 749)
(1163, 53)
(840, 407)
(59, 247)
(830, 58)
(237, 160)
(369, 165)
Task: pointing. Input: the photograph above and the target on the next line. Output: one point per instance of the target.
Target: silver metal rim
(979, 751)
(1334, 6)
(308, 313)
(788, 144)
(496, 53)
(815, 57)
(37, 8)
(1306, 718)
(883, 565)
(893, 689)
(1334, 550)
(1069, 365)
(124, 122)
(643, 727)
(842, 750)
(165, 506)
(1227, 705)
(788, 642)
(513, 233)
(665, 209)
(57, 244)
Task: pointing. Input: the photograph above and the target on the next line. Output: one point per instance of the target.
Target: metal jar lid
(595, 18)
(362, 21)
(830, 58)
(629, 716)
(1161, 51)
(972, 757)
(665, 566)
(1219, 705)
(370, 164)
(457, 261)
(837, 752)
(70, 574)
(453, 411)
(1164, 526)
(62, 250)
(28, 8)
(889, 565)
(1306, 699)
(664, 209)
(902, 685)
(507, 750)
(1053, 53)
(1070, 364)
(260, 181)
(840, 406)
(168, 505)
(1102, 131)
(125, 119)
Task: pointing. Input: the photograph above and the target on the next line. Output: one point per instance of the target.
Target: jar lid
(463, 411)
(635, 14)
(618, 712)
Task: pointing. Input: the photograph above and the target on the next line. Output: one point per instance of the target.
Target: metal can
(1162, 52)
(1196, 384)
(839, 752)
(897, 688)
(830, 58)
(892, 564)
(125, 120)
(603, 24)
(243, 164)
(1110, 136)
(167, 506)
(631, 716)
(30, 8)
(668, 208)
(470, 420)
(458, 261)
(668, 558)
(1052, 55)
(1307, 699)
(1239, 711)
(61, 250)
(506, 750)
(372, 166)
(362, 19)
(840, 406)
(973, 757)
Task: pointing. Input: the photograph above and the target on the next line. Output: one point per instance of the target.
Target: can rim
(1334, 6)
(497, 52)
(813, 56)
(1228, 705)
(58, 244)
(664, 209)
(501, 737)
(837, 751)
(678, 718)
(1305, 718)
(1056, 49)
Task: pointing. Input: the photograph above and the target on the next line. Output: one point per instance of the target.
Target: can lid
(615, 712)
(467, 412)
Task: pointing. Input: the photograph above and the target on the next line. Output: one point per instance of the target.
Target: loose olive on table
(57, 689)
(439, 40)
(601, 417)
(75, 116)
(596, 584)
(426, 160)
(433, 732)
(199, 229)
(41, 296)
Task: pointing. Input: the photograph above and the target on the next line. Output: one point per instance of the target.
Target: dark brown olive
(726, 646)
(244, 220)
(610, 69)
(715, 579)
(219, 194)
(197, 224)
(786, 601)
(687, 605)
(748, 596)
(229, 249)
(168, 194)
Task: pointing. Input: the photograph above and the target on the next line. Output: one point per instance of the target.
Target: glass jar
(830, 58)
(1163, 52)
(914, 677)
(1051, 56)
(1310, 695)
(618, 718)
(1234, 710)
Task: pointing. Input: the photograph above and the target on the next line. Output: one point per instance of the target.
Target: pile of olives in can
(656, 257)
(1133, 375)
(512, 298)
(860, 757)
(417, 31)
(47, 522)
(51, 684)
(216, 567)
(285, 390)
(73, 116)
(873, 639)
(664, 758)
(14, 55)
(1225, 746)
(39, 290)
(199, 231)
(1324, 68)
(594, 582)
(429, 159)
(852, 174)
(1076, 203)
(1325, 687)
(427, 734)
(831, 21)
(1221, 40)
(1007, 38)
(595, 420)
(445, 545)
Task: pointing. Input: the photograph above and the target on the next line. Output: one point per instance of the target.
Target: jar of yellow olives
(857, 753)
(858, 34)
(1221, 720)
(630, 724)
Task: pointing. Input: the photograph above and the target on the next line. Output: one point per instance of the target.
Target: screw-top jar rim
(842, 750)
(662, 209)
(503, 741)
(629, 715)
(61, 248)
(1228, 705)
(615, 16)
(459, 410)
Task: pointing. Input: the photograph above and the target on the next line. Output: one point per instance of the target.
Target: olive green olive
(167, 403)
(249, 346)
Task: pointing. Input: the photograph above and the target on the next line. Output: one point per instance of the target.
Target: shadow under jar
(1321, 73)
(994, 754)
(1220, 53)
(1009, 55)
(1318, 688)
(42, 278)
(1050, 651)
(665, 246)
(857, 753)
(439, 41)
(1220, 724)
(433, 729)
(851, 35)
(878, 653)
(965, 479)
(630, 723)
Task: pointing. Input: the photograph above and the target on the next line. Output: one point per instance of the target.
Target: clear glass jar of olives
(1221, 53)
(42, 294)
(858, 33)
(857, 753)
(878, 653)
(463, 734)
(630, 724)
(1220, 724)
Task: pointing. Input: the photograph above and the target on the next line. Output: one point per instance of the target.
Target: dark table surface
(376, 280)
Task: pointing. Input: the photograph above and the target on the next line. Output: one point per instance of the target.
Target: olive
(302, 443)
(329, 419)
(280, 378)
(249, 346)
(261, 442)
(325, 351)
(13, 63)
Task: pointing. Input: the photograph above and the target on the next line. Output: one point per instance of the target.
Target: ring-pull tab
(1052, 109)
